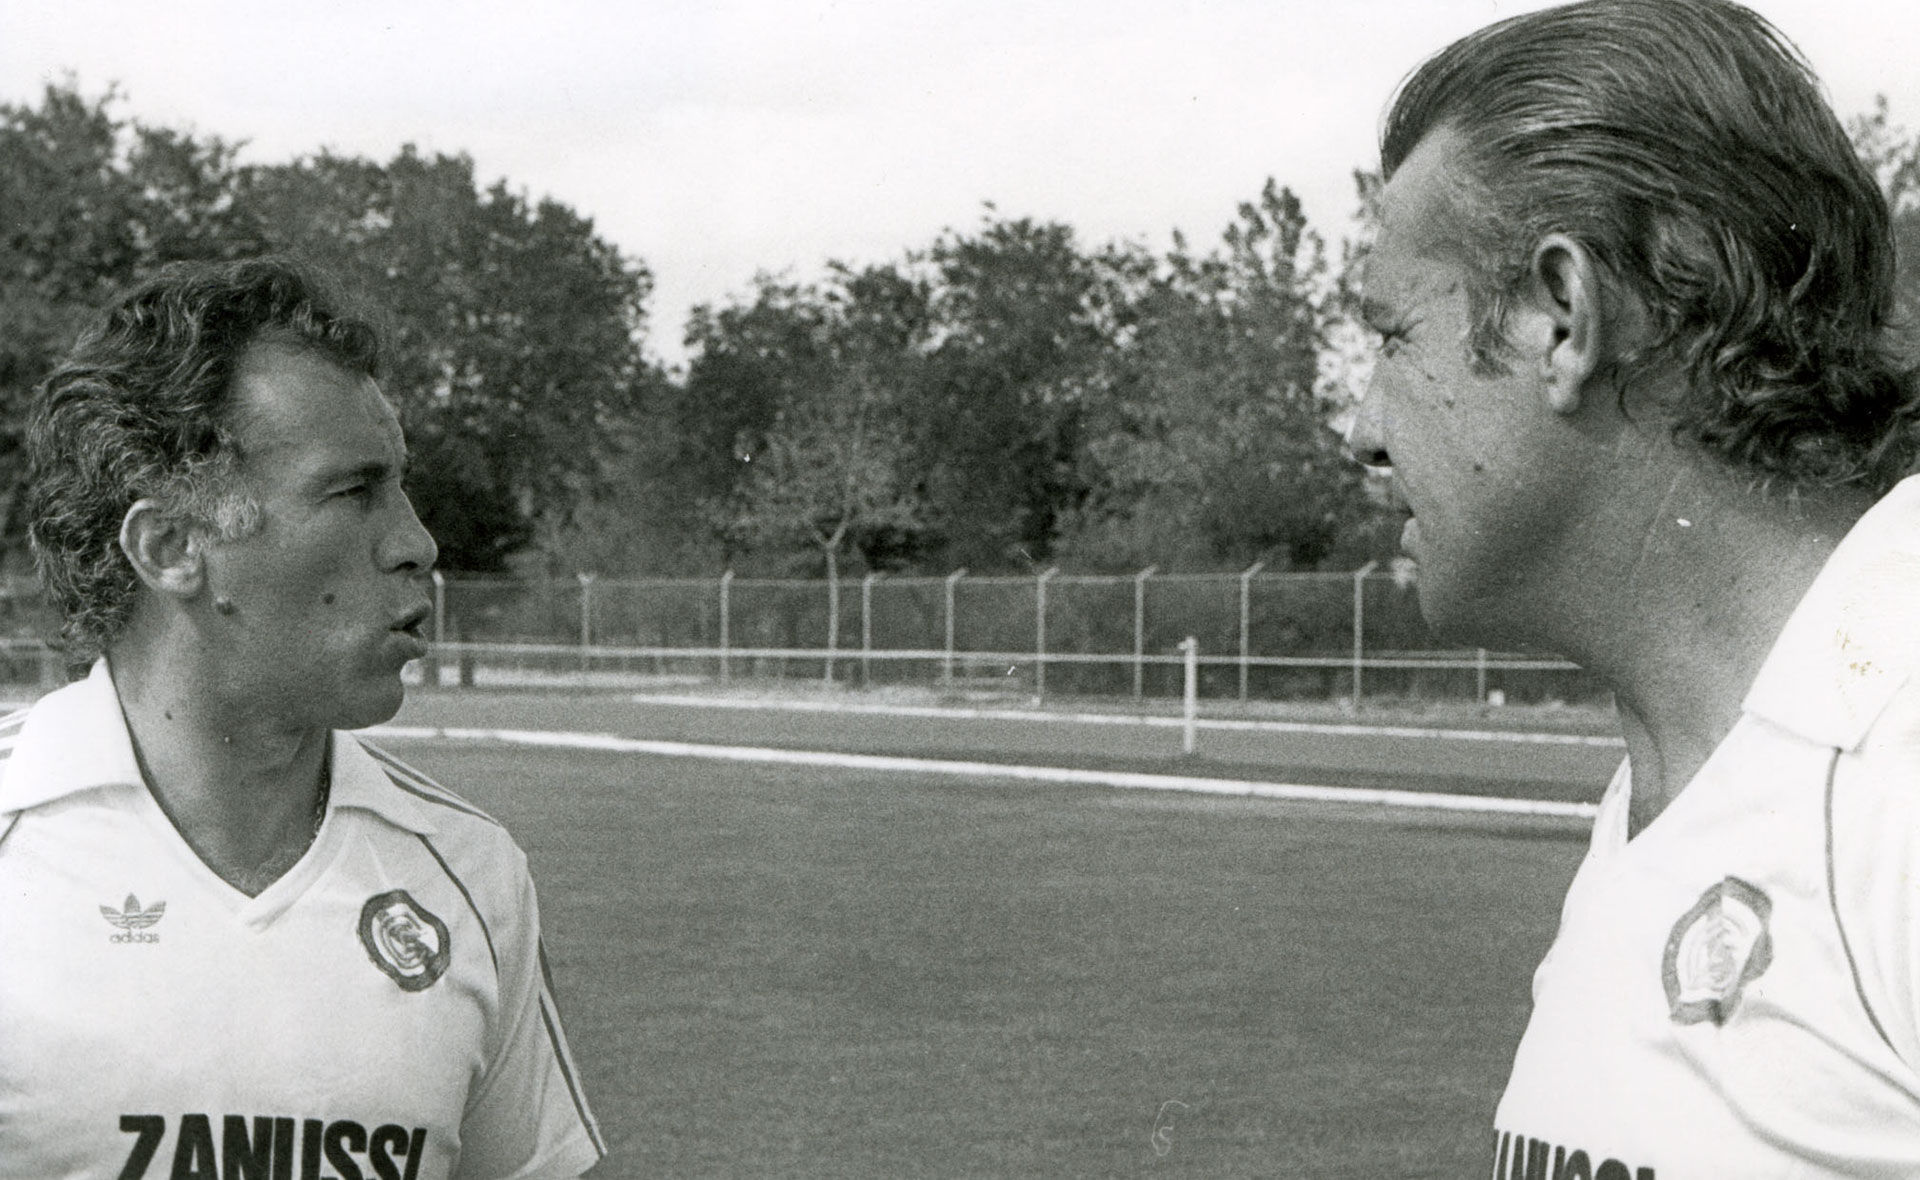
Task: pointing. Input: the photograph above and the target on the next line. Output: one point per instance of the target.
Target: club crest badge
(1716, 949)
(405, 940)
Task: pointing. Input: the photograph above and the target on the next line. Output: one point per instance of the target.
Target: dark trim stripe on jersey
(1833, 899)
(485, 930)
(421, 787)
(567, 1072)
(550, 999)
(414, 783)
(546, 971)
(11, 824)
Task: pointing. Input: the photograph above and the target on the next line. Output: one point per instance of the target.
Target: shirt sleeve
(528, 1119)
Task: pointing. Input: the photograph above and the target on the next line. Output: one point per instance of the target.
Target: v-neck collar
(76, 740)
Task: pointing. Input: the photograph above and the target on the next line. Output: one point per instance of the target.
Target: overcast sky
(714, 140)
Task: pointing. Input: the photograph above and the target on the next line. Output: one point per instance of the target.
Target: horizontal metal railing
(1257, 634)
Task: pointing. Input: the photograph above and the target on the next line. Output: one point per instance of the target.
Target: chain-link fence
(26, 621)
(1261, 636)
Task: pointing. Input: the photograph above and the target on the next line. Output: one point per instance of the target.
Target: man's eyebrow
(372, 471)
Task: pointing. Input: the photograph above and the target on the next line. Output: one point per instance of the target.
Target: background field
(808, 973)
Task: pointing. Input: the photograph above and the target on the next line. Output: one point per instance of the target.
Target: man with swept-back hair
(143, 412)
(1633, 288)
(233, 936)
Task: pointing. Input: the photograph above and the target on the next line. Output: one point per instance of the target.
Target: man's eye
(1390, 339)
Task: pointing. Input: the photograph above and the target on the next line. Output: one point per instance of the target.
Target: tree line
(1003, 399)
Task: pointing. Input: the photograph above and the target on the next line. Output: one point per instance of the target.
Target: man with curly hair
(1633, 289)
(234, 939)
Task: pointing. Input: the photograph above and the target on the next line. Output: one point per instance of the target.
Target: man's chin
(1465, 616)
(375, 705)
(1449, 614)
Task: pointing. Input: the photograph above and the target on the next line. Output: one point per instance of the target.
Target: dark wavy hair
(142, 409)
(1687, 146)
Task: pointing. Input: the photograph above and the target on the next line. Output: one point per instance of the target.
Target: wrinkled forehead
(1419, 223)
(289, 399)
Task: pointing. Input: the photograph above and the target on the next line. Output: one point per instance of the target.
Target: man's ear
(1564, 291)
(166, 551)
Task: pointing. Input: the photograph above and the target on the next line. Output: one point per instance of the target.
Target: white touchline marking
(1360, 796)
(1332, 728)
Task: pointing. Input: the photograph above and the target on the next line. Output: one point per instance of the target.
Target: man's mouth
(414, 621)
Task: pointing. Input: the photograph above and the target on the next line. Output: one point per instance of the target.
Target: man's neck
(1680, 628)
(244, 792)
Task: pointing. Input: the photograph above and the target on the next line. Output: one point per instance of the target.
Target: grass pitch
(797, 973)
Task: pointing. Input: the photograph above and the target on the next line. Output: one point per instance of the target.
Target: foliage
(515, 331)
(768, 386)
(1893, 153)
(1022, 320)
(92, 202)
(1102, 407)
(1214, 441)
(831, 465)
(1001, 399)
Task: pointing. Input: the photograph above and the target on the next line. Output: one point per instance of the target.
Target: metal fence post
(946, 663)
(1480, 676)
(866, 629)
(726, 626)
(1189, 693)
(1246, 620)
(1359, 623)
(439, 627)
(1140, 627)
(586, 619)
(1040, 630)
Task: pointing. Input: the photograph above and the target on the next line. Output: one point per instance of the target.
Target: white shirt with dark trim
(381, 1012)
(1735, 991)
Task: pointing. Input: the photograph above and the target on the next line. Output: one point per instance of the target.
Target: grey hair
(1686, 145)
(142, 409)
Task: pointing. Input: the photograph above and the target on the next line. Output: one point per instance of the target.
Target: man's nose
(1365, 436)
(411, 547)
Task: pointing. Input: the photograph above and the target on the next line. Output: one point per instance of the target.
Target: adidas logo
(133, 921)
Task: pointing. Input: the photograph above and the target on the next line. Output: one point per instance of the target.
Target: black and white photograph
(843, 589)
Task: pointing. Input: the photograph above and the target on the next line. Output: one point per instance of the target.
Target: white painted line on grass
(965, 714)
(1353, 796)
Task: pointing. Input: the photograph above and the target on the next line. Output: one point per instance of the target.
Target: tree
(832, 466)
(1893, 153)
(1213, 438)
(1021, 319)
(93, 202)
(515, 330)
(792, 346)
(749, 359)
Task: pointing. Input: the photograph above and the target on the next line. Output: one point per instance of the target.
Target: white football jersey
(1732, 992)
(381, 1012)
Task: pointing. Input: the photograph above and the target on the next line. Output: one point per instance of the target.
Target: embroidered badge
(405, 940)
(1716, 949)
(133, 921)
